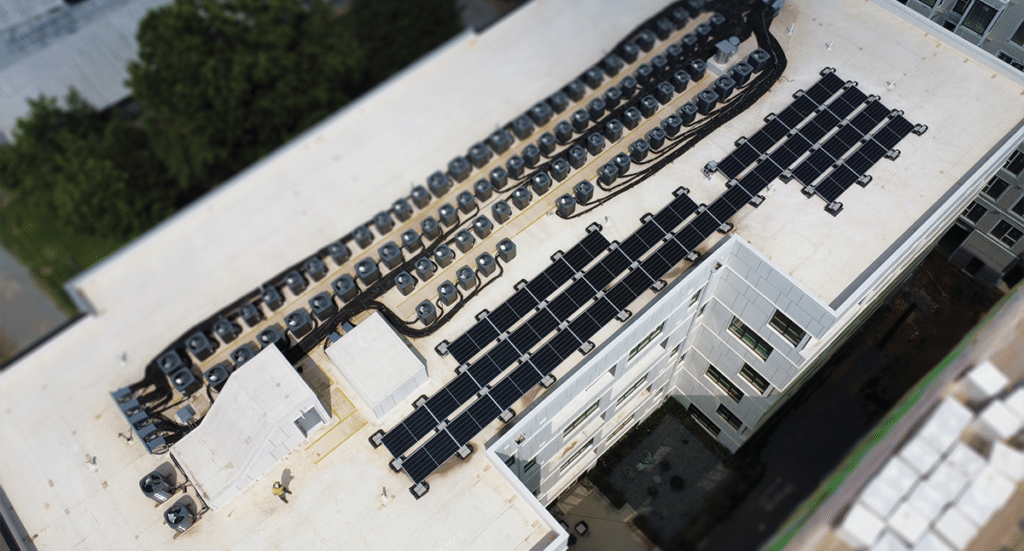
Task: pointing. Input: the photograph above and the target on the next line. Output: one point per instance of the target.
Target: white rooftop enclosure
(264, 411)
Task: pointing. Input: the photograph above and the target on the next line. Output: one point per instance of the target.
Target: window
(750, 338)
(754, 378)
(1018, 209)
(583, 417)
(960, 6)
(995, 187)
(576, 455)
(701, 312)
(929, 3)
(974, 212)
(693, 299)
(647, 340)
(619, 428)
(703, 420)
(979, 17)
(511, 460)
(1018, 36)
(1010, 60)
(635, 386)
(787, 328)
(1015, 163)
(1006, 233)
(729, 417)
(724, 383)
(530, 464)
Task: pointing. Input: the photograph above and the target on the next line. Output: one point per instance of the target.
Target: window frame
(530, 464)
(703, 420)
(1017, 157)
(730, 418)
(963, 5)
(1010, 60)
(988, 25)
(1003, 230)
(645, 341)
(756, 343)
(754, 378)
(784, 326)
(972, 210)
(576, 455)
(580, 419)
(632, 389)
(1018, 207)
(987, 190)
(1018, 36)
(723, 382)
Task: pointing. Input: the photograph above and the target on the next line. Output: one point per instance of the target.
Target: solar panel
(895, 130)
(525, 300)
(812, 167)
(737, 161)
(721, 209)
(824, 88)
(847, 102)
(870, 116)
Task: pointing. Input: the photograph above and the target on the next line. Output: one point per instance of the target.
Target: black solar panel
(824, 88)
(505, 393)
(783, 156)
(869, 117)
(737, 161)
(721, 209)
(790, 119)
(650, 233)
(737, 197)
(895, 130)
(847, 102)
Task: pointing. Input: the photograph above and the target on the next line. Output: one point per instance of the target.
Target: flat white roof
(57, 410)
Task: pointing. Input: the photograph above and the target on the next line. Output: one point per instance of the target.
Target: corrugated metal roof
(92, 57)
(15, 12)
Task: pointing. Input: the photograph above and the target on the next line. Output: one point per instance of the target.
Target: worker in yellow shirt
(280, 490)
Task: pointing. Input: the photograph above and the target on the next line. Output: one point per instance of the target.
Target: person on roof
(280, 490)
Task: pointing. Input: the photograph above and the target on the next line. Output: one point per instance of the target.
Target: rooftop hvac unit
(478, 155)
(612, 64)
(663, 92)
(420, 196)
(448, 215)
(696, 69)
(498, 177)
(522, 126)
(695, 6)
(565, 205)
(501, 211)
(672, 124)
(464, 241)
(540, 183)
(405, 283)
(241, 355)
(645, 40)
(613, 130)
(443, 255)
(741, 73)
(758, 59)
(541, 113)
(402, 210)
(425, 269)
(706, 101)
(323, 306)
(516, 165)
(430, 228)
(680, 80)
(345, 288)
(656, 137)
(200, 345)
(688, 43)
(499, 141)
(216, 376)
(725, 50)
(563, 132)
(660, 64)
(295, 281)
(506, 250)
(577, 156)
(170, 361)
(250, 314)
(447, 293)
(466, 201)
(638, 151)
(584, 192)
(647, 106)
(593, 77)
(482, 226)
(485, 263)
(679, 16)
(156, 487)
(703, 31)
(426, 312)
(622, 162)
(367, 271)
(299, 323)
(644, 73)
(185, 382)
(688, 112)
(547, 143)
(629, 51)
(459, 168)
(580, 119)
(608, 173)
(315, 268)
(339, 252)
(521, 197)
(531, 155)
(411, 240)
(559, 169)
(716, 21)
(663, 27)
(628, 86)
(272, 297)
(226, 330)
(362, 236)
(179, 517)
(187, 413)
(382, 221)
(558, 101)
(674, 52)
(483, 189)
(466, 277)
(391, 255)
(595, 143)
(596, 108)
(438, 183)
(271, 336)
(724, 86)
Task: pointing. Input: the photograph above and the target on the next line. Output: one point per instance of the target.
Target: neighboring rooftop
(74, 482)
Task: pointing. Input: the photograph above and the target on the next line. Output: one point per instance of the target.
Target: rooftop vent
(200, 345)
(426, 312)
(216, 376)
(241, 355)
(565, 205)
(367, 271)
(506, 250)
(405, 283)
(299, 323)
(250, 314)
(584, 192)
(323, 306)
(339, 252)
(447, 293)
(345, 288)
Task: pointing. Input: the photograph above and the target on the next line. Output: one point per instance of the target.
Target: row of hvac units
(158, 487)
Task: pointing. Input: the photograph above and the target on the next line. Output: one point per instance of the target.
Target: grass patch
(51, 253)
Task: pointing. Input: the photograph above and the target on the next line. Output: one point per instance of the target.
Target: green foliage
(223, 83)
(397, 32)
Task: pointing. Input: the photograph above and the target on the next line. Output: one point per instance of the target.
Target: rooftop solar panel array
(860, 161)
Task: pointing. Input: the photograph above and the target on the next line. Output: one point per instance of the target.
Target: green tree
(94, 170)
(222, 83)
(397, 32)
